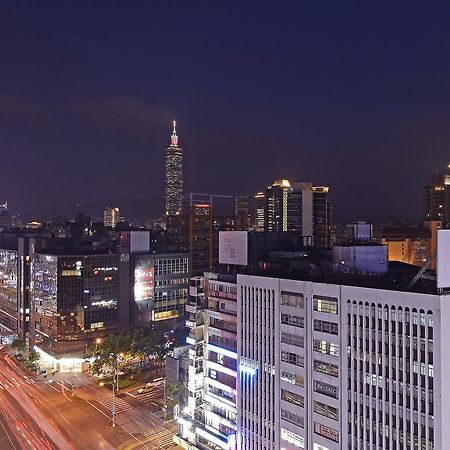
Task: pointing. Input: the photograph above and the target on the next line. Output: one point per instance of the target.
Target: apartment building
(209, 419)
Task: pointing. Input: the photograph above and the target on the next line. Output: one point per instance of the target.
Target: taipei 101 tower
(174, 176)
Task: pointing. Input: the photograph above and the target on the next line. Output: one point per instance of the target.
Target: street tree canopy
(116, 351)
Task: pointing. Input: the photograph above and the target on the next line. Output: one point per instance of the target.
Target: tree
(175, 394)
(19, 346)
(147, 344)
(33, 358)
(138, 344)
(110, 353)
(142, 343)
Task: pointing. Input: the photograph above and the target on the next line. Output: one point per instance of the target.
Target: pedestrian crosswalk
(161, 438)
(14, 383)
(119, 404)
(151, 396)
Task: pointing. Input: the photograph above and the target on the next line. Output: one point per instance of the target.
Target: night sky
(356, 97)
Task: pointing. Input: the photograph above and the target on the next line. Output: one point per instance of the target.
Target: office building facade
(9, 291)
(295, 206)
(260, 206)
(14, 288)
(111, 217)
(411, 245)
(436, 199)
(321, 217)
(196, 231)
(5, 217)
(276, 206)
(74, 301)
(330, 367)
(153, 289)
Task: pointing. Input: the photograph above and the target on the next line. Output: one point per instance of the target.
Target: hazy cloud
(117, 111)
(16, 110)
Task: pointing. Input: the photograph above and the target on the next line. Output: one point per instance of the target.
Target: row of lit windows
(327, 305)
(326, 410)
(292, 397)
(297, 379)
(326, 368)
(171, 266)
(325, 347)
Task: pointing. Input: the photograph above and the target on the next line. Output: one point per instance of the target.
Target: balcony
(214, 417)
(216, 331)
(219, 401)
(216, 437)
(230, 316)
(222, 386)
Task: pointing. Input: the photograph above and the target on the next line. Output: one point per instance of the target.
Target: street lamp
(165, 400)
(121, 355)
(97, 341)
(113, 405)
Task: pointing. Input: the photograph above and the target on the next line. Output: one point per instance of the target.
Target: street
(36, 415)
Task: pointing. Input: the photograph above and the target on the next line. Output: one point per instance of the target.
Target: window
(325, 389)
(292, 339)
(292, 418)
(291, 299)
(293, 398)
(325, 347)
(293, 358)
(326, 327)
(326, 368)
(326, 410)
(326, 304)
(292, 378)
(295, 321)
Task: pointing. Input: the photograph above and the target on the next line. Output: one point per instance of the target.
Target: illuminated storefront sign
(144, 283)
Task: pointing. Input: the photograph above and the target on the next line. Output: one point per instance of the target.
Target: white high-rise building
(328, 367)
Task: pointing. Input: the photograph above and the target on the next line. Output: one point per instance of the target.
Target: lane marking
(53, 387)
(99, 410)
(7, 434)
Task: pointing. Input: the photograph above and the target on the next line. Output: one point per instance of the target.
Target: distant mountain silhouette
(138, 210)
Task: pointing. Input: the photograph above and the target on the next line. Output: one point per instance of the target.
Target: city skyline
(331, 111)
(224, 226)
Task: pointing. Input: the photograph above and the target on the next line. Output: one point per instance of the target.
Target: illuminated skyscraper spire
(174, 137)
(174, 175)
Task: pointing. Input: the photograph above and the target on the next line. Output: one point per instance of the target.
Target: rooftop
(397, 278)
